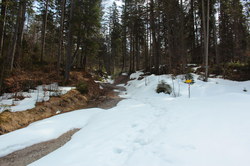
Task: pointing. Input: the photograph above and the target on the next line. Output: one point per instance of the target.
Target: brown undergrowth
(73, 100)
(96, 97)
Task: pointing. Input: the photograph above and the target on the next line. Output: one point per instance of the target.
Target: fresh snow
(149, 129)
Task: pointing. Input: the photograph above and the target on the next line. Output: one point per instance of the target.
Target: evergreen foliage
(82, 87)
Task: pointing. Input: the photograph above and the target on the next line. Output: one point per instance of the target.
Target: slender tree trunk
(2, 32)
(206, 35)
(151, 59)
(124, 39)
(85, 63)
(204, 27)
(217, 60)
(75, 55)
(131, 52)
(86, 53)
(156, 51)
(81, 59)
(192, 24)
(182, 51)
(44, 28)
(2, 24)
(146, 65)
(60, 46)
(13, 45)
(198, 42)
(20, 32)
(207, 42)
(137, 52)
(70, 42)
(4, 8)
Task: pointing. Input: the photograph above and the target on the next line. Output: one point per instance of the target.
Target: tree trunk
(124, 39)
(2, 24)
(146, 65)
(2, 32)
(44, 28)
(192, 33)
(156, 51)
(70, 43)
(75, 55)
(182, 51)
(84, 62)
(12, 49)
(206, 35)
(131, 53)
(217, 60)
(20, 31)
(60, 46)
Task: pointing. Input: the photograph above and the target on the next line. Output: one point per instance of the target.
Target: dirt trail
(111, 98)
(30, 154)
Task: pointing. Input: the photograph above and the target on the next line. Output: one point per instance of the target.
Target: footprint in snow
(141, 142)
(134, 125)
(118, 150)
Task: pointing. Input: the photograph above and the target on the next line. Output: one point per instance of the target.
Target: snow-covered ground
(212, 128)
(40, 94)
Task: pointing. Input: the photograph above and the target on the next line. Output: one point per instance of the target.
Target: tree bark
(146, 65)
(20, 31)
(60, 46)
(74, 57)
(154, 37)
(131, 53)
(182, 51)
(206, 35)
(124, 39)
(2, 24)
(192, 33)
(217, 59)
(44, 28)
(12, 49)
(70, 43)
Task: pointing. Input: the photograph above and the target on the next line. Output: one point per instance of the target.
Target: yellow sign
(189, 81)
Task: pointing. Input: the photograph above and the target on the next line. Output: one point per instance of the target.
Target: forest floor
(30, 154)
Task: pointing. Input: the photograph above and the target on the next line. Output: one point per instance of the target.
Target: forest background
(156, 36)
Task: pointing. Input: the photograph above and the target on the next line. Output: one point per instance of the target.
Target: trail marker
(189, 82)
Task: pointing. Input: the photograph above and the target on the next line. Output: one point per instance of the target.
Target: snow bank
(44, 130)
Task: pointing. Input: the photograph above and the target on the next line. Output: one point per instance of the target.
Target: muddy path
(30, 154)
(111, 98)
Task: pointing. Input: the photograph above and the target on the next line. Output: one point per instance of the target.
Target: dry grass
(73, 100)
(10, 121)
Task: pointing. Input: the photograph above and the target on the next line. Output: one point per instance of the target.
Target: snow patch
(40, 94)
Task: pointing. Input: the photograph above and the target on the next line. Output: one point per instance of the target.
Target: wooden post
(189, 90)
